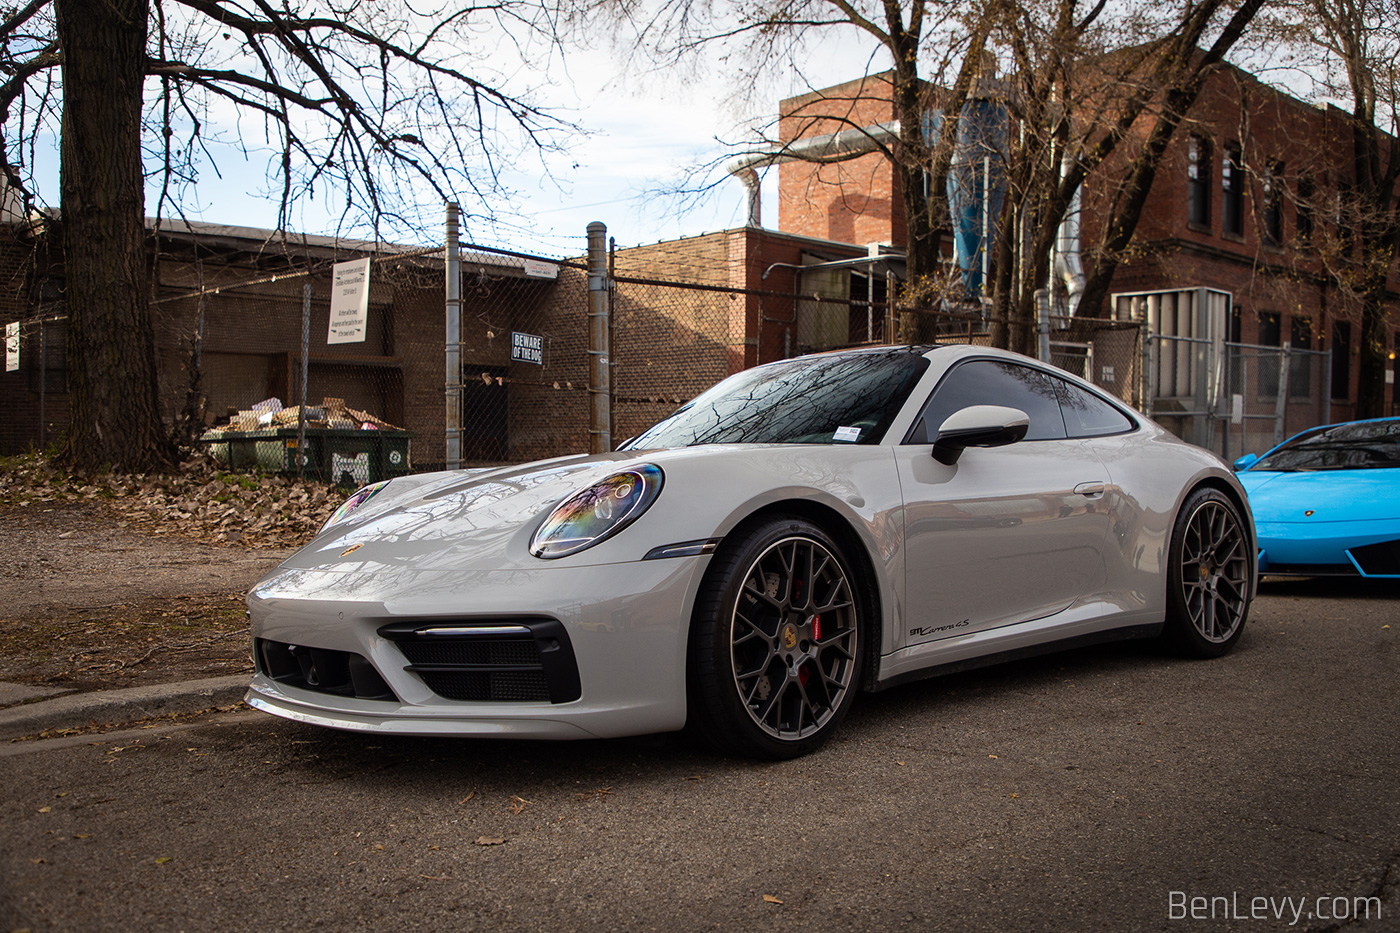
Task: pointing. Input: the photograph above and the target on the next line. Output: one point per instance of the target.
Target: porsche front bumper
(624, 625)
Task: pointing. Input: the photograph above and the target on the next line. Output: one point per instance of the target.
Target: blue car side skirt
(1379, 561)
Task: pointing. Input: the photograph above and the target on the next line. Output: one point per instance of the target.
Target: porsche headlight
(361, 496)
(598, 512)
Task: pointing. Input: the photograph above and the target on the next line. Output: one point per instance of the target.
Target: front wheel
(776, 641)
(1209, 578)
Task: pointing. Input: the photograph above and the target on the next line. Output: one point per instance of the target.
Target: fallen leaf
(991, 756)
(46, 809)
(1014, 796)
(163, 859)
(518, 805)
(82, 835)
(490, 840)
(466, 798)
(433, 877)
(770, 899)
(39, 861)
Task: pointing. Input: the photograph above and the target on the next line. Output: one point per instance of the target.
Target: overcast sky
(643, 133)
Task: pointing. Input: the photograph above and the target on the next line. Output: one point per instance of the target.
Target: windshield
(845, 399)
(1356, 446)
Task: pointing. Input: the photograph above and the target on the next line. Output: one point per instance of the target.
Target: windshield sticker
(850, 435)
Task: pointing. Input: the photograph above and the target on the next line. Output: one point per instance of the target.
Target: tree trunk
(112, 378)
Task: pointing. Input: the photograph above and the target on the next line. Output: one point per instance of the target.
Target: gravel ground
(138, 580)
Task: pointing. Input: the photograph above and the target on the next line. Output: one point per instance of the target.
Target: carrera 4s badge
(923, 630)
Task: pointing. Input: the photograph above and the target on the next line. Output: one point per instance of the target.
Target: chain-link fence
(249, 350)
(1110, 354)
(264, 370)
(1236, 398)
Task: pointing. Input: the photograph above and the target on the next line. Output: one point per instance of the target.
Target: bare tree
(376, 100)
(1081, 79)
(1351, 48)
(930, 52)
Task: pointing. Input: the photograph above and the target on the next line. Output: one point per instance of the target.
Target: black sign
(526, 348)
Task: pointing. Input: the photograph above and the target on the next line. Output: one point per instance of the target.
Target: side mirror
(1245, 462)
(979, 426)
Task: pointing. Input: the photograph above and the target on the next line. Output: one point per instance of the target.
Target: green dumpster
(346, 456)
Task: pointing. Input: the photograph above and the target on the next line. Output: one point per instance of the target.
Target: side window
(1087, 415)
(991, 382)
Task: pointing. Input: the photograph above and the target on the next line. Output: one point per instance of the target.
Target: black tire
(776, 641)
(1209, 578)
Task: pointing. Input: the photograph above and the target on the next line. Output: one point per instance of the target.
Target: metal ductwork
(1067, 271)
(833, 147)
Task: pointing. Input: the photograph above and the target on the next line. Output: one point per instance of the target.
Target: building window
(1341, 360)
(1270, 335)
(1232, 192)
(1273, 203)
(1198, 182)
(1395, 373)
(1300, 365)
(1307, 190)
(1234, 355)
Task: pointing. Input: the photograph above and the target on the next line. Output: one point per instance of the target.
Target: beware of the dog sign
(526, 348)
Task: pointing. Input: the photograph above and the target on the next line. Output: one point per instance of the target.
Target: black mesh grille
(1378, 559)
(518, 651)
(490, 660)
(485, 686)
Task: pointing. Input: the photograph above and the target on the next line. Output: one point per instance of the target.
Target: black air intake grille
(339, 673)
(484, 687)
(490, 660)
(1311, 570)
(515, 652)
(1378, 560)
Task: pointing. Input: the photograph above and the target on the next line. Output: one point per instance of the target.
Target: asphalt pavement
(1110, 789)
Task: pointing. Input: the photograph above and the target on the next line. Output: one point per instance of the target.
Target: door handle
(1089, 490)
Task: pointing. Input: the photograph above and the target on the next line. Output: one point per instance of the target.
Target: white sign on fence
(349, 301)
(12, 347)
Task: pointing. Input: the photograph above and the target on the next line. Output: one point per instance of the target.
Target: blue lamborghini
(1327, 501)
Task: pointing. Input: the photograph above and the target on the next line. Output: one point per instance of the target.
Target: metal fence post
(599, 370)
(43, 381)
(305, 353)
(1281, 400)
(453, 420)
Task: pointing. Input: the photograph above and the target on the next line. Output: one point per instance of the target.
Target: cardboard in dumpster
(331, 413)
(340, 445)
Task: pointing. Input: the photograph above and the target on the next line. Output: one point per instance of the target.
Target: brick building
(1238, 209)
(229, 302)
(227, 311)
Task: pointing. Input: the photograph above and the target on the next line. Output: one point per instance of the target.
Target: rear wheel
(1209, 581)
(776, 641)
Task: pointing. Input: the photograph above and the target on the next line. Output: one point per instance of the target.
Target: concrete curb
(121, 706)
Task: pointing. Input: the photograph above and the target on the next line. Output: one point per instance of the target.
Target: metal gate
(1236, 398)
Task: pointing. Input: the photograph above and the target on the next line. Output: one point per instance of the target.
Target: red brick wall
(20, 392)
(1286, 278)
(858, 201)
